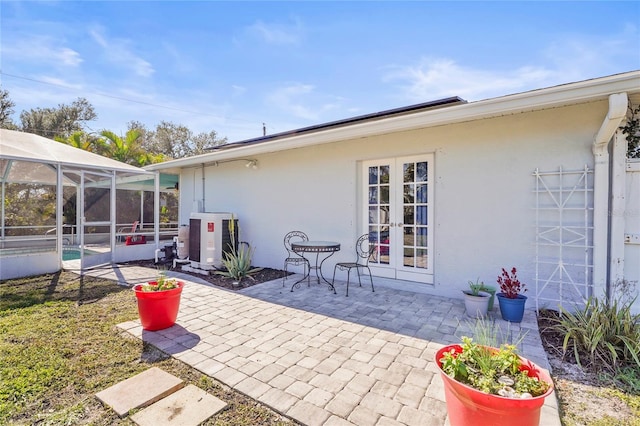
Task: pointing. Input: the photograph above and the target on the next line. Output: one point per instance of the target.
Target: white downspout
(618, 209)
(618, 104)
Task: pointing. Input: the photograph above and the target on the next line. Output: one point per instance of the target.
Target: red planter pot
(469, 406)
(158, 309)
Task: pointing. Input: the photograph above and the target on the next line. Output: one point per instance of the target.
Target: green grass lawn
(59, 346)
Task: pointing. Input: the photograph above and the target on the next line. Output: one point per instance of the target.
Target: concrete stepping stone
(140, 390)
(189, 406)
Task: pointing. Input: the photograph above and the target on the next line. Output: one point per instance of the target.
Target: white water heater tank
(183, 242)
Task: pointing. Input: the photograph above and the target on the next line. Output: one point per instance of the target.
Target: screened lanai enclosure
(64, 207)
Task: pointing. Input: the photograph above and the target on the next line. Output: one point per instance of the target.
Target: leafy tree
(6, 110)
(203, 141)
(61, 121)
(175, 141)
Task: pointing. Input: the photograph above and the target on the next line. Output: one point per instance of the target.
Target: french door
(398, 213)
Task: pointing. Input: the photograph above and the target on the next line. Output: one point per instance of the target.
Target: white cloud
(442, 77)
(289, 99)
(279, 34)
(570, 58)
(119, 52)
(238, 90)
(40, 49)
(59, 82)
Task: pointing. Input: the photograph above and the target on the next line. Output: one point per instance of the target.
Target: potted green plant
(476, 301)
(510, 300)
(158, 302)
(485, 385)
(492, 291)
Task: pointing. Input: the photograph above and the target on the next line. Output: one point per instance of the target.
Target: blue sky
(231, 66)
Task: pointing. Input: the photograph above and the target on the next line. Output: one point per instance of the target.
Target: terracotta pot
(469, 406)
(158, 309)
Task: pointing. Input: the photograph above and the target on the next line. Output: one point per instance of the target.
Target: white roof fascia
(552, 97)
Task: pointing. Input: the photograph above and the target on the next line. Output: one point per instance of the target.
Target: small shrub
(509, 284)
(605, 333)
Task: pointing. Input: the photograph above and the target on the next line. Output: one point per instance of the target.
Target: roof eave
(552, 97)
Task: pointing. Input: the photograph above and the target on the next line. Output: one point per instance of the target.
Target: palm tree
(128, 149)
(84, 141)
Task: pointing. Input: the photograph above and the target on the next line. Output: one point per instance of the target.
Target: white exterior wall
(484, 201)
(33, 263)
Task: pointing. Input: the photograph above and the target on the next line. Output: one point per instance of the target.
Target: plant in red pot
(510, 300)
(158, 302)
(489, 386)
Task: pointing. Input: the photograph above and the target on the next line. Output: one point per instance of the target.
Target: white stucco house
(451, 191)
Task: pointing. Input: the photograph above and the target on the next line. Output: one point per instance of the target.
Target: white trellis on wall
(564, 237)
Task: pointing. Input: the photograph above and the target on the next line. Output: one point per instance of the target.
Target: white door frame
(105, 256)
(387, 218)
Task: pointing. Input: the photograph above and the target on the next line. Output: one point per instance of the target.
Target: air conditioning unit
(209, 238)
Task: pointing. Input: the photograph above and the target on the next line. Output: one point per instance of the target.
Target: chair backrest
(364, 249)
(294, 236)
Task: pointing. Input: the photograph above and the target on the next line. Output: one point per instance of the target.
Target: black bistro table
(327, 248)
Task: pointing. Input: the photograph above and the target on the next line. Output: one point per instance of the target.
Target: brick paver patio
(320, 358)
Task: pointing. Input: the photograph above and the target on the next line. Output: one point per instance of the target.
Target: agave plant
(237, 261)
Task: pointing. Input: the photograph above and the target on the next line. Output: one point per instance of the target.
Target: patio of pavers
(321, 358)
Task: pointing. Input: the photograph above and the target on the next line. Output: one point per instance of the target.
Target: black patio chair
(364, 250)
(294, 258)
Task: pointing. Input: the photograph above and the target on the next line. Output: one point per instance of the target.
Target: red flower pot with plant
(158, 302)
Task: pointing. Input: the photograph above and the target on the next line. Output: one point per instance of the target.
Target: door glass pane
(421, 193)
(373, 215)
(408, 257)
(421, 215)
(421, 172)
(421, 259)
(408, 215)
(373, 195)
(408, 193)
(373, 175)
(408, 169)
(408, 236)
(384, 174)
(384, 194)
(421, 237)
(384, 215)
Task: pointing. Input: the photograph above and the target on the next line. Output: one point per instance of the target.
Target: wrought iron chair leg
(333, 280)
(370, 279)
(284, 275)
